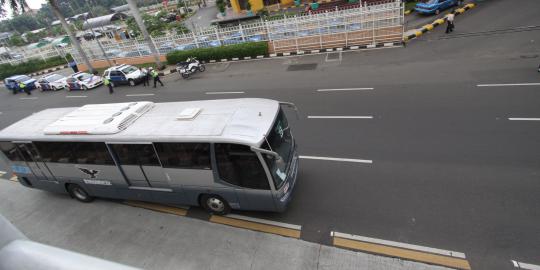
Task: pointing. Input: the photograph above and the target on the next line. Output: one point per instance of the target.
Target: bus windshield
(281, 142)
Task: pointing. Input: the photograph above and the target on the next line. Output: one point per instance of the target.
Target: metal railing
(365, 24)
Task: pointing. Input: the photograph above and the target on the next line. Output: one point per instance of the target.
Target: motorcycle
(189, 67)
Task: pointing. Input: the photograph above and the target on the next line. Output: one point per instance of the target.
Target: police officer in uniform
(108, 83)
(23, 87)
(155, 75)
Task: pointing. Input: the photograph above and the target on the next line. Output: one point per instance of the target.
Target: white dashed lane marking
(338, 159)
(339, 117)
(345, 89)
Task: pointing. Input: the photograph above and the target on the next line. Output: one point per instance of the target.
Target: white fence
(362, 24)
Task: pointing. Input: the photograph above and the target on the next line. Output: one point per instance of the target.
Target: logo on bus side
(91, 172)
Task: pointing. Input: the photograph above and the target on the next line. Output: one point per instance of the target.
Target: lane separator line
(506, 84)
(522, 265)
(76, 96)
(345, 89)
(179, 211)
(28, 98)
(367, 161)
(400, 250)
(340, 117)
(224, 93)
(260, 225)
(139, 95)
(523, 119)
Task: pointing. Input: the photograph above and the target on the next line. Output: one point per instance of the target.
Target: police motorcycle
(190, 66)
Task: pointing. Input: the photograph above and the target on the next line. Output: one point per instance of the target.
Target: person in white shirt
(450, 21)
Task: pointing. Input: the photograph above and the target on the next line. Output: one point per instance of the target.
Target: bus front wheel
(215, 204)
(77, 192)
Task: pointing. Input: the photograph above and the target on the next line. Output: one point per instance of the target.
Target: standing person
(450, 21)
(145, 78)
(108, 84)
(22, 86)
(73, 66)
(14, 87)
(155, 75)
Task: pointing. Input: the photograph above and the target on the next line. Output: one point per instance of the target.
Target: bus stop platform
(147, 239)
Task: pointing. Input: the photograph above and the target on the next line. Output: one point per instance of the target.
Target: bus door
(35, 162)
(140, 165)
(239, 166)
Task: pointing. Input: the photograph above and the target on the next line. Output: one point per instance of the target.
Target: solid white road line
(2, 173)
(139, 95)
(521, 265)
(345, 89)
(338, 159)
(507, 84)
(28, 98)
(224, 93)
(399, 244)
(264, 221)
(76, 96)
(523, 119)
(339, 117)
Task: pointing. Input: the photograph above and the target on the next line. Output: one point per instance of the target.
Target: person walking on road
(22, 86)
(450, 21)
(155, 75)
(146, 79)
(108, 84)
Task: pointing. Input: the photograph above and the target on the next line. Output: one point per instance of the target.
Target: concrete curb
(429, 27)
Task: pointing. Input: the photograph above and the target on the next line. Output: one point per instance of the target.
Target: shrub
(251, 49)
(32, 65)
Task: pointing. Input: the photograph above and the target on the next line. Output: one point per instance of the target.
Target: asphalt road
(450, 170)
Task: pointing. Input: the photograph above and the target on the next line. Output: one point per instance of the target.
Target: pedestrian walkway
(156, 240)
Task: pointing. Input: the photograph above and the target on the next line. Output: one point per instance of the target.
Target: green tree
(16, 41)
(137, 15)
(17, 6)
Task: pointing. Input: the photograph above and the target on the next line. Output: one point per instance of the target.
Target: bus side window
(184, 155)
(57, 152)
(10, 151)
(92, 153)
(240, 166)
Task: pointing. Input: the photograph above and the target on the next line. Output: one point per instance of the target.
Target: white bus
(219, 154)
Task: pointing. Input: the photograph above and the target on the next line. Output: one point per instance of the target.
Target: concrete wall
(337, 40)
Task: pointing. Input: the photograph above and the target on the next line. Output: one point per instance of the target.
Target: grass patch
(410, 5)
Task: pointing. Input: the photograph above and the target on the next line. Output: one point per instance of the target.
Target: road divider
(339, 117)
(179, 211)
(428, 27)
(522, 265)
(507, 84)
(345, 89)
(76, 96)
(367, 161)
(260, 225)
(405, 251)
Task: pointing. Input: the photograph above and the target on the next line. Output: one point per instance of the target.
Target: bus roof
(244, 121)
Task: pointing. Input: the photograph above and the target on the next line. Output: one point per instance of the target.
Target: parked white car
(83, 81)
(124, 74)
(51, 82)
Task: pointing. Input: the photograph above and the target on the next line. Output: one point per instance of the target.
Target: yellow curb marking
(439, 21)
(402, 253)
(428, 27)
(158, 207)
(255, 226)
(419, 33)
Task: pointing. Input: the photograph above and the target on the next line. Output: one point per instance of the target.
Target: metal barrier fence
(364, 24)
(19, 56)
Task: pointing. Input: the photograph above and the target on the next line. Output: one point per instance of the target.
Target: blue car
(434, 6)
(12, 83)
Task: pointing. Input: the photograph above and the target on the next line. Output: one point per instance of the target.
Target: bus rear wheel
(215, 204)
(78, 193)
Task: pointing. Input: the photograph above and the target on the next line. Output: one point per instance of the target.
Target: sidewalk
(152, 240)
